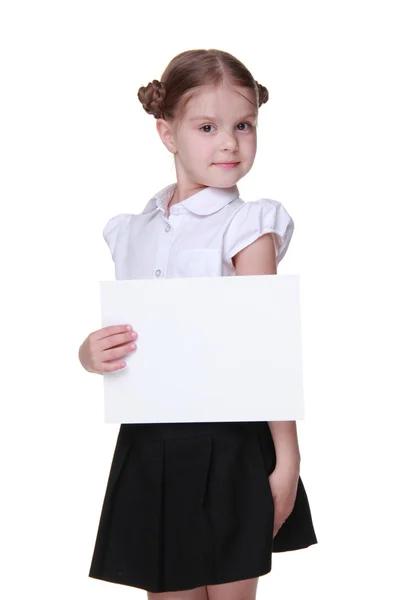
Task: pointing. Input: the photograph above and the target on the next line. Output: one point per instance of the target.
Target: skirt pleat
(190, 504)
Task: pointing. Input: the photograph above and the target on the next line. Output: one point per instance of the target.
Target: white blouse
(198, 239)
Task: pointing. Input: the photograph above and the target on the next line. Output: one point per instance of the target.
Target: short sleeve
(253, 220)
(114, 228)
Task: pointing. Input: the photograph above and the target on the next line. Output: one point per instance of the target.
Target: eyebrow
(205, 118)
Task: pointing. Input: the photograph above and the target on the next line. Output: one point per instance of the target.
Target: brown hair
(189, 71)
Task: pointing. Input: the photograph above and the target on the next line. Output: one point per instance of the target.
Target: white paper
(209, 349)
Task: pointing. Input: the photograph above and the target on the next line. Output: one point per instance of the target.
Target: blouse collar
(204, 202)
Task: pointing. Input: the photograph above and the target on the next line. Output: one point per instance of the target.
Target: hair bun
(152, 97)
(263, 94)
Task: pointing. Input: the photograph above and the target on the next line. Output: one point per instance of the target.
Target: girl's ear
(165, 132)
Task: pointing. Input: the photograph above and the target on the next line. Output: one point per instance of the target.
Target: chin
(225, 179)
(230, 177)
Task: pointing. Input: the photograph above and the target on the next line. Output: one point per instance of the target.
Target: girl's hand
(102, 350)
(283, 481)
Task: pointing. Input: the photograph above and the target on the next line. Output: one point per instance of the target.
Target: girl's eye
(202, 128)
(249, 127)
(249, 124)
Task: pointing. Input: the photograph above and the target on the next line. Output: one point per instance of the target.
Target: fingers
(110, 367)
(110, 360)
(105, 332)
(116, 353)
(115, 339)
(108, 345)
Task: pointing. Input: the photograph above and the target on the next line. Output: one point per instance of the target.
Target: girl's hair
(191, 70)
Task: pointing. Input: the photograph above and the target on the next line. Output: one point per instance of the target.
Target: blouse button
(168, 227)
(158, 273)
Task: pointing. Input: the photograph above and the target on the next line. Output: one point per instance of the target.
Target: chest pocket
(201, 262)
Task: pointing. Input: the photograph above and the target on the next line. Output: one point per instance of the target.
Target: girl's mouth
(227, 165)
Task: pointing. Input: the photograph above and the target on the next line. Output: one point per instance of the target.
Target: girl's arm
(259, 259)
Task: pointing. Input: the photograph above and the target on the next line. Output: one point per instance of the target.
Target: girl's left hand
(283, 481)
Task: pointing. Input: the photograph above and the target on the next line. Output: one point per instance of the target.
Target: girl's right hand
(102, 349)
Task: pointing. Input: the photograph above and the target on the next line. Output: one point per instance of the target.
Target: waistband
(176, 430)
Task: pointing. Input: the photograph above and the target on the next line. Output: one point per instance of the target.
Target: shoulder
(115, 227)
(254, 219)
(261, 208)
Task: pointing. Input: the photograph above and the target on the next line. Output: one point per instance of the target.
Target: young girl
(194, 510)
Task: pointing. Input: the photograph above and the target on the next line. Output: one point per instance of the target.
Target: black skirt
(190, 504)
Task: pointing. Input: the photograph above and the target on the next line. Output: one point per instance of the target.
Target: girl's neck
(170, 203)
(173, 199)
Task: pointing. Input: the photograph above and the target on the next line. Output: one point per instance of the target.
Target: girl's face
(218, 126)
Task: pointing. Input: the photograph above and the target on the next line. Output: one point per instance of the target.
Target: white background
(77, 148)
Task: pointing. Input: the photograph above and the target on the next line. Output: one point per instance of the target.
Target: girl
(194, 510)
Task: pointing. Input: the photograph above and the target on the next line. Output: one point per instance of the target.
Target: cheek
(251, 146)
(200, 151)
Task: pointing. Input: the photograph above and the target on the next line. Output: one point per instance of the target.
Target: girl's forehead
(211, 100)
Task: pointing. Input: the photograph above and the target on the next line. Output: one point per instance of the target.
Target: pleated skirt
(190, 504)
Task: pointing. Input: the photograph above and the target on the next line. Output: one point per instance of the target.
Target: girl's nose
(229, 142)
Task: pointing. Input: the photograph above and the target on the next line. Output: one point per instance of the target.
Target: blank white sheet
(209, 349)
